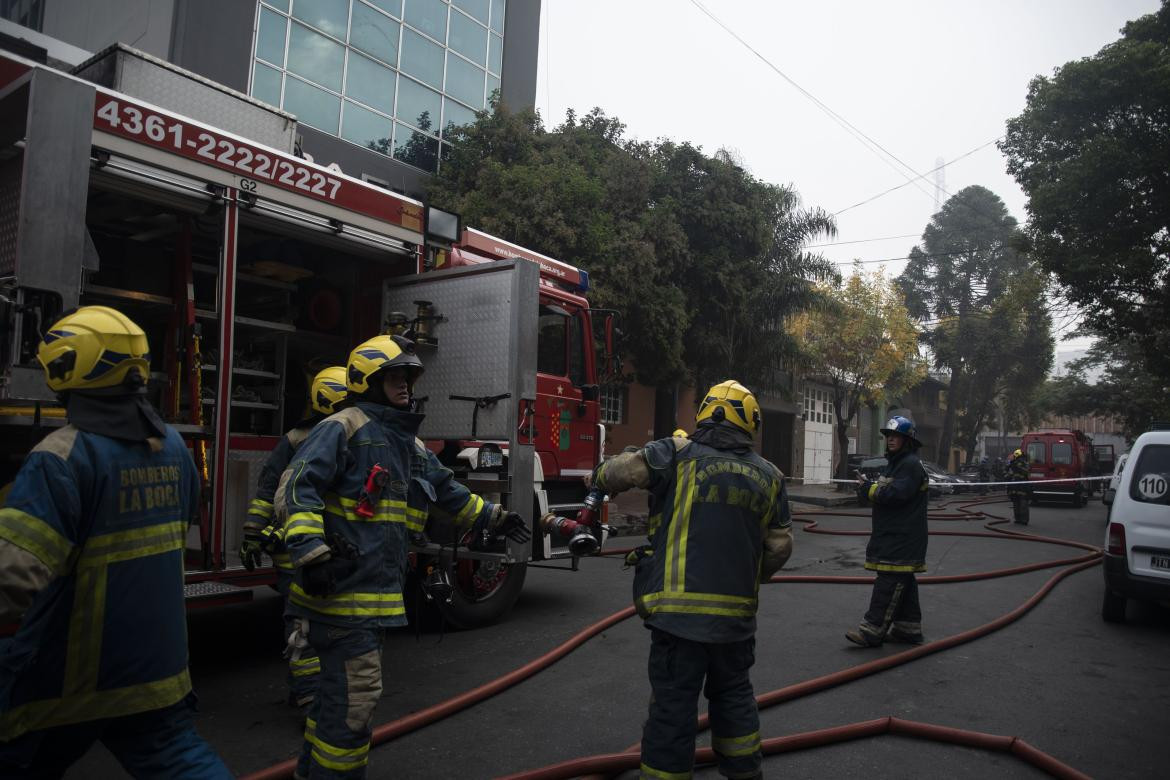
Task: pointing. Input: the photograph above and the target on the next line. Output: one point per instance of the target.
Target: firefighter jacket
(320, 492)
(91, 555)
(720, 526)
(1018, 470)
(260, 515)
(897, 541)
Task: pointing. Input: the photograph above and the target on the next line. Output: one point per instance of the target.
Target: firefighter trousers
(681, 668)
(1020, 508)
(159, 744)
(337, 729)
(894, 602)
(303, 671)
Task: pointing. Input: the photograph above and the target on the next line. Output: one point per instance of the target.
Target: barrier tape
(1017, 483)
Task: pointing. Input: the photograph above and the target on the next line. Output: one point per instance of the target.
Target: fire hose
(629, 758)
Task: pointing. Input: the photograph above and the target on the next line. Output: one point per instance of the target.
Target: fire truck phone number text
(134, 121)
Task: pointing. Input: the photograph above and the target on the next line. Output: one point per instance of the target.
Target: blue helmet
(903, 426)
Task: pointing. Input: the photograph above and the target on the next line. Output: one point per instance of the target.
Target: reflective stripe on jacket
(107, 635)
(320, 492)
(898, 534)
(260, 511)
(714, 509)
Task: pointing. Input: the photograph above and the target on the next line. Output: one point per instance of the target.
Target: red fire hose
(629, 759)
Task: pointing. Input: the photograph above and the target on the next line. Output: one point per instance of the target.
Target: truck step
(212, 594)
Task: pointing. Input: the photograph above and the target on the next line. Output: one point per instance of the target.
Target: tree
(865, 345)
(1126, 388)
(1092, 152)
(702, 258)
(967, 261)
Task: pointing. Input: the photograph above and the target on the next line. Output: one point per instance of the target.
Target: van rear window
(1036, 452)
(1151, 477)
(1062, 454)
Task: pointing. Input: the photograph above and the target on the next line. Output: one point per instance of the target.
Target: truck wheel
(484, 592)
(1113, 607)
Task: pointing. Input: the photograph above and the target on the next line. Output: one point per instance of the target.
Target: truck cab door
(565, 423)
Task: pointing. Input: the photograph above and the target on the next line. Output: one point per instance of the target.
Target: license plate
(1160, 562)
(490, 459)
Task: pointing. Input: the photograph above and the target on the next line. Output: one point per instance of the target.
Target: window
(818, 405)
(577, 352)
(336, 64)
(1151, 478)
(613, 404)
(1062, 454)
(26, 13)
(1036, 453)
(552, 327)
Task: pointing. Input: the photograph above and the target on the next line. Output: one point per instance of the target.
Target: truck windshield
(1062, 454)
(577, 348)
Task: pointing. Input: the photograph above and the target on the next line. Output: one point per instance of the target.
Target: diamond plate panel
(10, 173)
(243, 472)
(478, 352)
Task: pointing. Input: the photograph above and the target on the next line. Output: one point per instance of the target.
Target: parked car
(1137, 539)
(1108, 493)
(970, 473)
(941, 483)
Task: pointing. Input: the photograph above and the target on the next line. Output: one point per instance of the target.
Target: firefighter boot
(906, 632)
(865, 635)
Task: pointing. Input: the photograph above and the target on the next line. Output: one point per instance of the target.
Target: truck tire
(1113, 607)
(485, 592)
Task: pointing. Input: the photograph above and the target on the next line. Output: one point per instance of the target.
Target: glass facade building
(392, 76)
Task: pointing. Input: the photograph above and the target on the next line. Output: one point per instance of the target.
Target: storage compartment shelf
(126, 295)
(243, 404)
(245, 277)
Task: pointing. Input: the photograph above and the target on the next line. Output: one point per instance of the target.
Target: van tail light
(1116, 543)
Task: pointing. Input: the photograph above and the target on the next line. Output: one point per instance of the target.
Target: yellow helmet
(92, 348)
(377, 354)
(679, 433)
(1017, 453)
(328, 389)
(733, 402)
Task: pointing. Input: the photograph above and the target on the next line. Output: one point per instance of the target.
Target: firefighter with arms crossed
(356, 489)
(263, 534)
(91, 564)
(1018, 470)
(897, 541)
(719, 526)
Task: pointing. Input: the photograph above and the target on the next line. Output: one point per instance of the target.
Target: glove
(513, 526)
(318, 578)
(863, 490)
(637, 554)
(250, 550)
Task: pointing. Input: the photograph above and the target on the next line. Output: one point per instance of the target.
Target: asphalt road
(1093, 695)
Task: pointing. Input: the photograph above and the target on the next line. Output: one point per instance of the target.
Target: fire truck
(134, 184)
(1061, 453)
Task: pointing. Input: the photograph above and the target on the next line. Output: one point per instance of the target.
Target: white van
(1137, 540)
(1108, 493)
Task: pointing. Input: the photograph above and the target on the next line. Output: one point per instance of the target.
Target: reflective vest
(108, 636)
(712, 511)
(319, 494)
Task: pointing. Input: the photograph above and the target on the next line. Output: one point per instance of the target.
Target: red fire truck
(134, 184)
(1060, 453)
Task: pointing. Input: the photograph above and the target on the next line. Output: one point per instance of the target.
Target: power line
(922, 176)
(861, 241)
(864, 139)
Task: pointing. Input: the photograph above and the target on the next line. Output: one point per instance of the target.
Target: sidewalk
(628, 512)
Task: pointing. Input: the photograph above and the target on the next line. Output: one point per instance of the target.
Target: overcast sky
(926, 80)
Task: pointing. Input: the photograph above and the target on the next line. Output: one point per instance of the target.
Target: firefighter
(1017, 471)
(897, 541)
(91, 565)
(721, 527)
(356, 489)
(262, 533)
